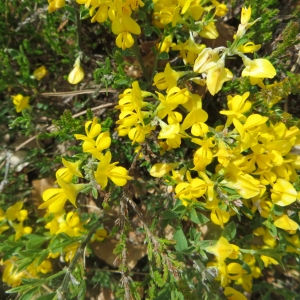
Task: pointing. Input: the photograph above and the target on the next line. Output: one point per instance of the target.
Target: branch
(52, 126)
(62, 290)
(4, 182)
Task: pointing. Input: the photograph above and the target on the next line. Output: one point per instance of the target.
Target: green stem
(139, 58)
(62, 290)
(156, 58)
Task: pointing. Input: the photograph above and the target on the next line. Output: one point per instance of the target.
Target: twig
(61, 291)
(140, 60)
(74, 93)
(116, 271)
(52, 126)
(155, 241)
(125, 280)
(7, 166)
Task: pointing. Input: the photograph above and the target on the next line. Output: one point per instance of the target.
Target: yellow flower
(217, 216)
(21, 230)
(10, 275)
(105, 170)
(77, 74)
(268, 238)
(189, 50)
(100, 235)
(207, 59)
(20, 102)
(237, 107)
(167, 79)
(87, 3)
(268, 260)
(40, 72)
(189, 191)
(91, 132)
(202, 157)
(249, 47)
(161, 169)
(217, 75)
(71, 250)
(45, 267)
(222, 249)
(72, 225)
(103, 141)
(295, 244)
(123, 26)
(258, 68)
(175, 96)
(165, 45)
(245, 185)
(233, 294)
(245, 18)
(221, 9)
(3, 227)
(209, 31)
(16, 212)
(286, 223)
(53, 225)
(197, 115)
(168, 131)
(71, 168)
(283, 193)
(102, 13)
(56, 198)
(55, 4)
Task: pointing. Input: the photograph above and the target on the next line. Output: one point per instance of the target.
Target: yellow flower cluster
(131, 119)
(12, 214)
(55, 198)
(13, 278)
(250, 157)
(119, 12)
(21, 102)
(58, 221)
(254, 172)
(10, 275)
(178, 12)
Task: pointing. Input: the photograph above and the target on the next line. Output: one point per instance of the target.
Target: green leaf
(29, 294)
(18, 289)
(272, 228)
(247, 211)
(278, 210)
(181, 240)
(32, 281)
(14, 53)
(197, 217)
(141, 15)
(94, 193)
(229, 231)
(148, 31)
(56, 275)
(163, 56)
(35, 241)
(169, 214)
(43, 255)
(242, 41)
(28, 253)
(156, 30)
(24, 264)
(47, 297)
(121, 81)
(164, 295)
